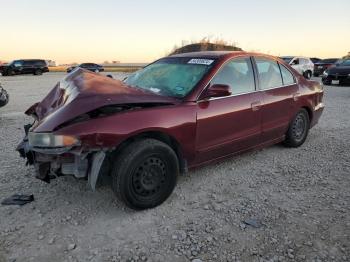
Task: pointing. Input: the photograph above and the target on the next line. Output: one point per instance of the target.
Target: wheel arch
(309, 111)
(161, 136)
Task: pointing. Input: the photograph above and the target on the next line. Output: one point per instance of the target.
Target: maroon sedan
(177, 113)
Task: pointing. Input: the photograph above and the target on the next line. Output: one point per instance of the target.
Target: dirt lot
(300, 196)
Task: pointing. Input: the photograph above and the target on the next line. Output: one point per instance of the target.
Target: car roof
(297, 56)
(218, 54)
(29, 60)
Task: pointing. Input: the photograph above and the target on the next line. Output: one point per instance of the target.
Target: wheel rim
(299, 127)
(149, 177)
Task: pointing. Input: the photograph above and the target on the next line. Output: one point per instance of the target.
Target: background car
(301, 64)
(4, 97)
(324, 64)
(178, 113)
(340, 72)
(315, 59)
(88, 66)
(24, 66)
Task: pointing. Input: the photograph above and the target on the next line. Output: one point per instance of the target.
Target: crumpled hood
(83, 91)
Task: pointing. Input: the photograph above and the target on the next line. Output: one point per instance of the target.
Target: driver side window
(238, 74)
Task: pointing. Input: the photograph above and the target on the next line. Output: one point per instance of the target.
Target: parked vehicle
(88, 66)
(4, 96)
(340, 73)
(324, 64)
(175, 114)
(301, 64)
(24, 66)
(315, 60)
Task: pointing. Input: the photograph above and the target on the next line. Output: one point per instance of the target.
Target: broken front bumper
(50, 163)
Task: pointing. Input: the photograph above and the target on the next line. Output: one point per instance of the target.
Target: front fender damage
(50, 163)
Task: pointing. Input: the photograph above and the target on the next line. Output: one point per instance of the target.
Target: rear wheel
(308, 74)
(38, 72)
(144, 174)
(298, 129)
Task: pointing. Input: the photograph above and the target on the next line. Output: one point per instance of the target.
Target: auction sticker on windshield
(200, 61)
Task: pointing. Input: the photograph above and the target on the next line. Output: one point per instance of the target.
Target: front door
(227, 125)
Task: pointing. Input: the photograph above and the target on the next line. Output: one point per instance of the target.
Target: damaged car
(4, 96)
(176, 114)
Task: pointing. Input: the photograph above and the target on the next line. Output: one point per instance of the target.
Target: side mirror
(295, 62)
(217, 90)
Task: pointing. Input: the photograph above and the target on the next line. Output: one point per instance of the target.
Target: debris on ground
(253, 222)
(18, 200)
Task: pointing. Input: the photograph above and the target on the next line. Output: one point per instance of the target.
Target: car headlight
(51, 140)
(325, 73)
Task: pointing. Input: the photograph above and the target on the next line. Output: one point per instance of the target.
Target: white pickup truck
(302, 64)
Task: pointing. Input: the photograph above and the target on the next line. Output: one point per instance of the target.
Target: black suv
(24, 66)
(88, 66)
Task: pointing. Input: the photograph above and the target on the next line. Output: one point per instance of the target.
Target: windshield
(287, 59)
(345, 63)
(174, 77)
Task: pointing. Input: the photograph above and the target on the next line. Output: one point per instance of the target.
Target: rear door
(28, 67)
(226, 125)
(279, 90)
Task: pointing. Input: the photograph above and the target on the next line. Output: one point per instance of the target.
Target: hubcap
(299, 127)
(149, 177)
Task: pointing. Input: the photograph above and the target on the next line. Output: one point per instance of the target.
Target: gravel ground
(298, 201)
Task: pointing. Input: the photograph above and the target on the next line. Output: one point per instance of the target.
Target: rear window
(287, 77)
(269, 73)
(345, 63)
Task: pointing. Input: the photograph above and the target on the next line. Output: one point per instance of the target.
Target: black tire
(10, 72)
(4, 98)
(308, 74)
(327, 82)
(145, 173)
(38, 72)
(298, 129)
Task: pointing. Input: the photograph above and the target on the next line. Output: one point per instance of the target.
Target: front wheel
(145, 173)
(298, 129)
(326, 82)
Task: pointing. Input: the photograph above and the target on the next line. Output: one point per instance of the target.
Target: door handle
(256, 105)
(296, 96)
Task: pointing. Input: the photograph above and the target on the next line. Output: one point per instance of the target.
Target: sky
(143, 30)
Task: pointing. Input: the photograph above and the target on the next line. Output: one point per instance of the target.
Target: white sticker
(154, 90)
(200, 61)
